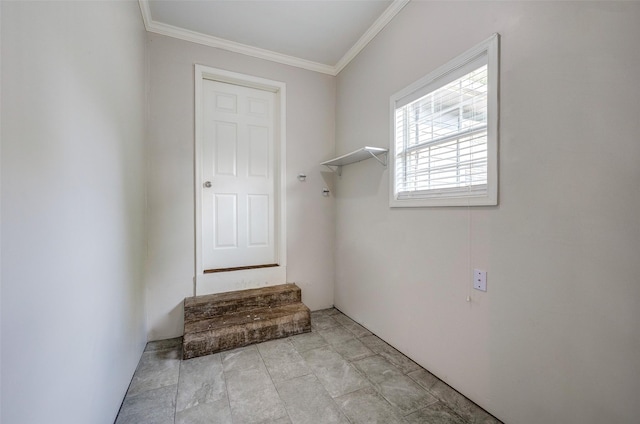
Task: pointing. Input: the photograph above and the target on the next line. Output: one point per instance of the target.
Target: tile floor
(338, 373)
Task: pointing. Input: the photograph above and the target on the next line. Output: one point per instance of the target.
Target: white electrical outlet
(480, 280)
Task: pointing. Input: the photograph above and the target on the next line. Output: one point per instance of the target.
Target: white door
(238, 177)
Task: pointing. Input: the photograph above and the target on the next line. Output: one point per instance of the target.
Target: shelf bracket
(377, 157)
(337, 169)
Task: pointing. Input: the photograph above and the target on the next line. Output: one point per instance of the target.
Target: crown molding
(146, 13)
(211, 41)
(370, 34)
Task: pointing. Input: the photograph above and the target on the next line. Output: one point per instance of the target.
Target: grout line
(271, 378)
(175, 404)
(319, 381)
(226, 386)
(175, 398)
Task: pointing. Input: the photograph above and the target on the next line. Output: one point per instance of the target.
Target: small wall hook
(325, 192)
(302, 177)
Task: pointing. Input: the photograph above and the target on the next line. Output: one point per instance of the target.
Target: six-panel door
(237, 176)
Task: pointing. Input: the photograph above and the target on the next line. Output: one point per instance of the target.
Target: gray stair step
(213, 305)
(238, 329)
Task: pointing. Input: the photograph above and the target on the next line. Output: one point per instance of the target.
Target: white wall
(556, 337)
(310, 140)
(73, 113)
(0, 212)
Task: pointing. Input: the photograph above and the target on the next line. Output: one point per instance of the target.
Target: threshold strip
(239, 268)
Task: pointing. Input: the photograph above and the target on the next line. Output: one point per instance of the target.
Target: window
(444, 134)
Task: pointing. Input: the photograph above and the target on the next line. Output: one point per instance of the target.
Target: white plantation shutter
(441, 140)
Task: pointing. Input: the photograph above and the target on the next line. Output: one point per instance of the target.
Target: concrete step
(237, 329)
(213, 305)
(222, 321)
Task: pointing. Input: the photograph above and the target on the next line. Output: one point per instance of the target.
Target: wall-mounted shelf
(357, 156)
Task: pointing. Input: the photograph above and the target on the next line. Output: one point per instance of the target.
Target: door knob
(207, 184)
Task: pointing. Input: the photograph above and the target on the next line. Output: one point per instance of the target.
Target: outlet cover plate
(480, 280)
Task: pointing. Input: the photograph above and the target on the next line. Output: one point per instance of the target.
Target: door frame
(250, 278)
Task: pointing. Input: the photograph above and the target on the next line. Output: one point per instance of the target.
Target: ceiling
(319, 35)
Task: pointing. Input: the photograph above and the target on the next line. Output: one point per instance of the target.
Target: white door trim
(238, 280)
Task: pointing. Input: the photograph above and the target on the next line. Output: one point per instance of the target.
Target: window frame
(429, 83)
